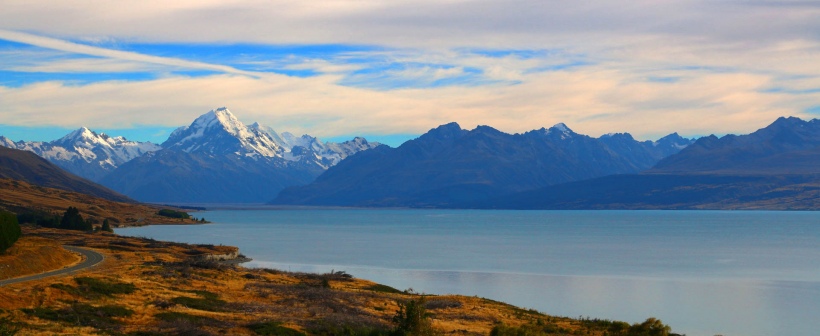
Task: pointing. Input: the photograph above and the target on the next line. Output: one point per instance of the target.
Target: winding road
(91, 258)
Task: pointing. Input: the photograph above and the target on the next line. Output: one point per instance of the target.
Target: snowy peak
(561, 127)
(86, 153)
(220, 132)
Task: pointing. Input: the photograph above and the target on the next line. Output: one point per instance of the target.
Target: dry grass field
(148, 287)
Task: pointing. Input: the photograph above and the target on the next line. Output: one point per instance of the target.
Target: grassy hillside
(18, 196)
(27, 166)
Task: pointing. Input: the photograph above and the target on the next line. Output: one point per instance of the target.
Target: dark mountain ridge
(776, 167)
(449, 165)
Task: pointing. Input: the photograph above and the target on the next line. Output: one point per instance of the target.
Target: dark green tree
(106, 226)
(72, 220)
(9, 230)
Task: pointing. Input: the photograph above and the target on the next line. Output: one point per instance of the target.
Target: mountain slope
(787, 146)
(449, 165)
(669, 191)
(85, 153)
(28, 167)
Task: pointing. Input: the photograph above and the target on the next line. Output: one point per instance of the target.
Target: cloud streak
(76, 48)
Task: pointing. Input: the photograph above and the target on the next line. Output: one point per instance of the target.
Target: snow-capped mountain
(219, 132)
(86, 153)
(219, 159)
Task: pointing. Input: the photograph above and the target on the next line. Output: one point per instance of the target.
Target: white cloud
(730, 66)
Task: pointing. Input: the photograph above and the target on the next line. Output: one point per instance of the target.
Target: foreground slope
(148, 287)
(775, 168)
(26, 166)
(449, 165)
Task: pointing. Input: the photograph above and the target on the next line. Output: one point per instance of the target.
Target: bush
(92, 288)
(8, 327)
(9, 230)
(208, 302)
(273, 328)
(383, 289)
(173, 214)
(412, 319)
(82, 314)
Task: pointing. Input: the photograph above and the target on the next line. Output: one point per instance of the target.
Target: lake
(701, 272)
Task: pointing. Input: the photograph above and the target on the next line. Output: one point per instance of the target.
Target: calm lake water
(701, 272)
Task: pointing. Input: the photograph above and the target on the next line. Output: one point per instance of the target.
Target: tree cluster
(9, 230)
(72, 220)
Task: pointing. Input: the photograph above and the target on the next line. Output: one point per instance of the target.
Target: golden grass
(163, 272)
(33, 255)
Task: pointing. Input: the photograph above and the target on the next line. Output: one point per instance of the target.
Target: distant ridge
(448, 166)
(28, 167)
(775, 168)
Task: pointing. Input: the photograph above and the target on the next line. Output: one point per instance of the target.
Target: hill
(22, 197)
(27, 166)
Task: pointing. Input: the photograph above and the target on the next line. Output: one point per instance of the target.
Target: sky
(391, 70)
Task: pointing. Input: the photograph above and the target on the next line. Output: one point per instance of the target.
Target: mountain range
(449, 166)
(776, 167)
(216, 159)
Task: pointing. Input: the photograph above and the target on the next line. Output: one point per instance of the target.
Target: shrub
(383, 289)
(9, 230)
(412, 319)
(104, 287)
(8, 327)
(208, 302)
(175, 316)
(273, 328)
(173, 214)
(92, 288)
(82, 314)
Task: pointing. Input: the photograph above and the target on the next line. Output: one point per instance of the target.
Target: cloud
(592, 100)
(648, 67)
(76, 48)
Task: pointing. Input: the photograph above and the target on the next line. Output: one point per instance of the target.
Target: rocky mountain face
(219, 159)
(449, 165)
(85, 153)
